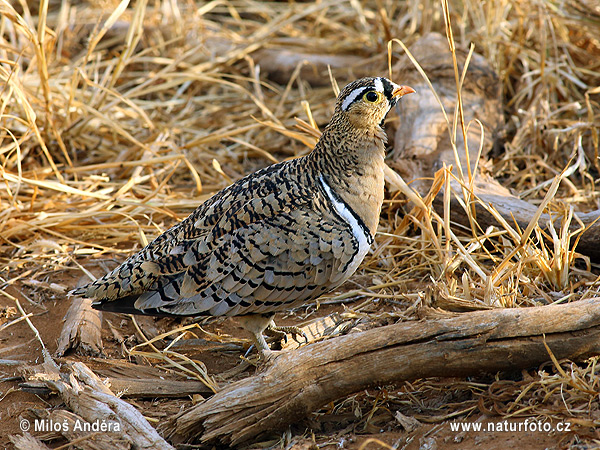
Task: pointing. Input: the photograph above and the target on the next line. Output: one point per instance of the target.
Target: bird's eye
(372, 97)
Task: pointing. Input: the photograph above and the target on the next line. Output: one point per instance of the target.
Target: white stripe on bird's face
(379, 85)
(353, 95)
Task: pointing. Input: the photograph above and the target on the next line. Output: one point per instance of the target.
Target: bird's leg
(256, 324)
(262, 346)
(283, 331)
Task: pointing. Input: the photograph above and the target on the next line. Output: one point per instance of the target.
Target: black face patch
(388, 88)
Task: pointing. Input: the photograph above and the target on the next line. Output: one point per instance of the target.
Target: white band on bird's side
(361, 234)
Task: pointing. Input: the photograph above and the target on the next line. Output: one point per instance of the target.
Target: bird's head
(366, 101)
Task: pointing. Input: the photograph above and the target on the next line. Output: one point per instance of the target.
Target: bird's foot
(283, 331)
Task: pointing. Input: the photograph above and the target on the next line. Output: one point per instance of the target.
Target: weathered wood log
(90, 399)
(81, 329)
(422, 144)
(295, 383)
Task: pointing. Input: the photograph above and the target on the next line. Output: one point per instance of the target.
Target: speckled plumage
(276, 238)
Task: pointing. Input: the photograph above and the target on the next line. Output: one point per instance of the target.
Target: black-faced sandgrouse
(276, 238)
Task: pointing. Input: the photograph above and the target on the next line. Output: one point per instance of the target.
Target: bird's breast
(363, 190)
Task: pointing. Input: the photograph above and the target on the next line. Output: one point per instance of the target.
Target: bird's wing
(265, 265)
(250, 247)
(165, 254)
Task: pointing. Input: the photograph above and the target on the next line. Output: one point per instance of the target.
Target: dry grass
(117, 120)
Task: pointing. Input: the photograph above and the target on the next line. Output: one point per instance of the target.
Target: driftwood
(81, 329)
(298, 382)
(85, 394)
(422, 143)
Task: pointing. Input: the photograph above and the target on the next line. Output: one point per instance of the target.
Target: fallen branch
(81, 330)
(298, 382)
(84, 393)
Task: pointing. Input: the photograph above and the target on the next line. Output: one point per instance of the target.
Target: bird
(276, 238)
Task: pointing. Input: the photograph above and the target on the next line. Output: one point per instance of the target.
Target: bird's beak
(401, 91)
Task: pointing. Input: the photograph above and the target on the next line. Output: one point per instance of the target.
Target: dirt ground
(353, 423)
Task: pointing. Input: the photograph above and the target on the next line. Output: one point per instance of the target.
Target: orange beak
(401, 91)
